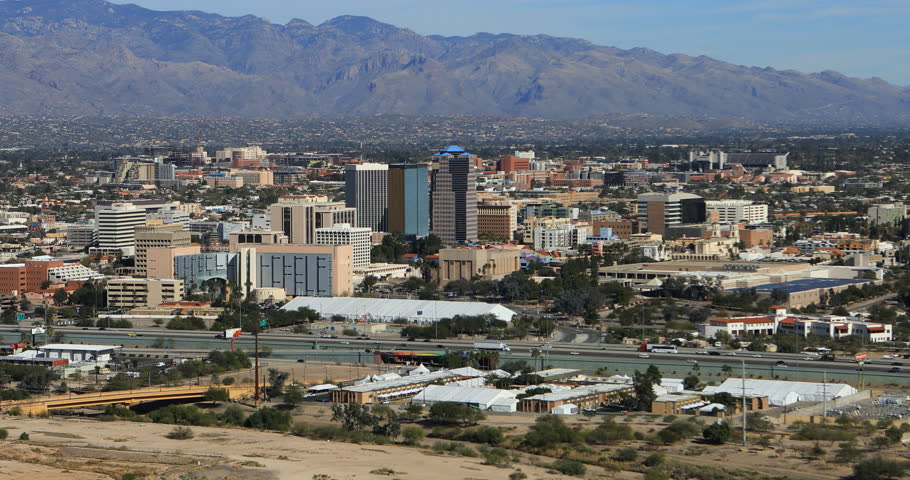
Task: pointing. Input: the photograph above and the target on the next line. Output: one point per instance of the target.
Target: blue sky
(863, 38)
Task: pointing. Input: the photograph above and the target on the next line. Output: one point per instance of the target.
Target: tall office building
(454, 196)
(409, 200)
(738, 210)
(157, 236)
(656, 211)
(298, 216)
(366, 189)
(117, 227)
(345, 234)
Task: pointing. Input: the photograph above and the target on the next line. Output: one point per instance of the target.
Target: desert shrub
(824, 433)
(549, 431)
(23, 436)
(657, 474)
(654, 460)
(268, 418)
(497, 456)
(678, 431)
(717, 433)
(183, 415)
(518, 475)
(232, 415)
(483, 434)
(609, 433)
(569, 467)
(878, 468)
(4, 434)
(412, 435)
(454, 448)
(180, 433)
(625, 455)
(228, 381)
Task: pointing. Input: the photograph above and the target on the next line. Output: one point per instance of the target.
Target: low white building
(781, 392)
(480, 398)
(75, 272)
(779, 321)
(79, 353)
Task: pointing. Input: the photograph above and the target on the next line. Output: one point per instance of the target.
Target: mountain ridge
(95, 57)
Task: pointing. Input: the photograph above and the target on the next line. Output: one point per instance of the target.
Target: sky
(862, 38)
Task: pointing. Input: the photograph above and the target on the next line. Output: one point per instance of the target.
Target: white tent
(567, 409)
(419, 370)
(390, 309)
(482, 398)
(781, 392)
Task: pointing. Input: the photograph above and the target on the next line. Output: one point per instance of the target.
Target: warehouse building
(390, 309)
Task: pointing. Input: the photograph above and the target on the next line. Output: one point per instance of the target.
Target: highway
(588, 356)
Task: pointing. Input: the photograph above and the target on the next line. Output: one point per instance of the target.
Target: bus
(658, 348)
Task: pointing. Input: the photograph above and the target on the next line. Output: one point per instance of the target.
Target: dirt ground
(108, 449)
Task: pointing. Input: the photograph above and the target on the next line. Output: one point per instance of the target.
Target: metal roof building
(782, 392)
(482, 398)
(389, 309)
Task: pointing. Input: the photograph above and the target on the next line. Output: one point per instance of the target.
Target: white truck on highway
(502, 347)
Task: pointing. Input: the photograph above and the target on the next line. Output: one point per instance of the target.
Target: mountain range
(91, 57)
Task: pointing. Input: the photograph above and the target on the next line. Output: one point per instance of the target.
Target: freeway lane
(288, 345)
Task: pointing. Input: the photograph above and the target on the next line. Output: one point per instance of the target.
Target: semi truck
(502, 347)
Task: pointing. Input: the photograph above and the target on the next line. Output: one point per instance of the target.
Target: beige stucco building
(467, 263)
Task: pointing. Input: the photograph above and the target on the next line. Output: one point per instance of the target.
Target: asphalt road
(293, 343)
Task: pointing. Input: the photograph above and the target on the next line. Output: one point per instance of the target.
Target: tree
(60, 296)
(276, 381)
(717, 433)
(454, 413)
(690, 382)
(269, 419)
(353, 416)
(370, 281)
(293, 397)
(727, 369)
(217, 395)
(643, 386)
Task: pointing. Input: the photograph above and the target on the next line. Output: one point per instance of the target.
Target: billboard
(232, 333)
(861, 356)
(37, 330)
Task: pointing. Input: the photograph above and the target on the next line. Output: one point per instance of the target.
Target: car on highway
(103, 328)
(730, 354)
(131, 334)
(440, 346)
(713, 352)
(887, 357)
(345, 343)
(160, 364)
(285, 329)
(756, 356)
(701, 352)
(692, 361)
(894, 370)
(644, 355)
(781, 363)
(574, 353)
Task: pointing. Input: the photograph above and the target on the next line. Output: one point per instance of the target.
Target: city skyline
(805, 35)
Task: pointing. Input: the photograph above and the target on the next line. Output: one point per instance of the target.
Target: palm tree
(537, 353)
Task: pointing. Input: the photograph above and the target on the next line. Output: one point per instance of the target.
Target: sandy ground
(221, 454)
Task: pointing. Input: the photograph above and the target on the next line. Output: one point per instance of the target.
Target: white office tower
(117, 228)
(366, 188)
(738, 210)
(345, 234)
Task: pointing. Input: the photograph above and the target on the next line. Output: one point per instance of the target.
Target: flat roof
(579, 392)
(807, 284)
(79, 347)
(556, 372)
(399, 382)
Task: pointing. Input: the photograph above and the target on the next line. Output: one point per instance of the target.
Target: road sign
(232, 333)
(20, 317)
(861, 356)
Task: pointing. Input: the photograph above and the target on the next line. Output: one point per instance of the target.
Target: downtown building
(454, 197)
(658, 211)
(345, 234)
(366, 190)
(117, 228)
(409, 200)
(298, 216)
(736, 211)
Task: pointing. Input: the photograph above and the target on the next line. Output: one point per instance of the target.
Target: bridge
(122, 397)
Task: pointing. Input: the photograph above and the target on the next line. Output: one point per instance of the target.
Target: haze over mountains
(90, 57)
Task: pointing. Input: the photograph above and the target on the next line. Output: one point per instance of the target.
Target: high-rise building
(298, 216)
(656, 211)
(366, 189)
(117, 227)
(409, 200)
(738, 210)
(157, 236)
(344, 234)
(497, 221)
(454, 196)
(80, 236)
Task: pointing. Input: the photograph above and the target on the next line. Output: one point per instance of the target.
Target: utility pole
(256, 395)
(825, 395)
(744, 402)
